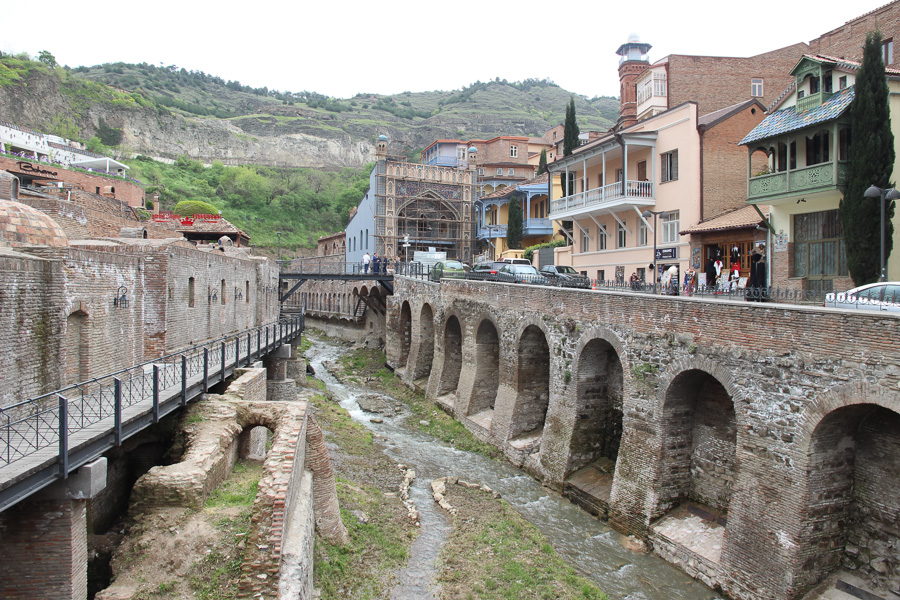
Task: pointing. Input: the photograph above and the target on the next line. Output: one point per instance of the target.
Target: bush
(188, 208)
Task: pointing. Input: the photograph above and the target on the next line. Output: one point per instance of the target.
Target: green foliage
(95, 145)
(571, 133)
(871, 163)
(64, 127)
(110, 136)
(529, 251)
(47, 58)
(644, 370)
(514, 224)
(188, 208)
(542, 162)
(303, 204)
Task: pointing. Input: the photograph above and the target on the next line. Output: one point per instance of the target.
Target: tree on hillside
(48, 59)
(570, 135)
(871, 163)
(542, 162)
(514, 224)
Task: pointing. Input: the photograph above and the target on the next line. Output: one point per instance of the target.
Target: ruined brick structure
(781, 428)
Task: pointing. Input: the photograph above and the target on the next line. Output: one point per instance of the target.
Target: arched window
(191, 292)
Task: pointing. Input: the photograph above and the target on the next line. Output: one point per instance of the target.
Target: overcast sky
(343, 47)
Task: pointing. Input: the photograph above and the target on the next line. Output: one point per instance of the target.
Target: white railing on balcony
(491, 231)
(611, 192)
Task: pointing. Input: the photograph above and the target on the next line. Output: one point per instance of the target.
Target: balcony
(537, 227)
(806, 180)
(608, 196)
(491, 231)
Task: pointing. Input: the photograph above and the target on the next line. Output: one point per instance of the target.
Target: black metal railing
(53, 418)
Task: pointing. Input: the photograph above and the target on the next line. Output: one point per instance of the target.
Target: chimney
(632, 63)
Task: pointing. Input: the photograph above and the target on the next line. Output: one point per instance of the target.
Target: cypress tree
(570, 133)
(514, 224)
(871, 163)
(542, 162)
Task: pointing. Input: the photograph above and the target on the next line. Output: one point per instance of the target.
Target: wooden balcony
(611, 195)
(806, 180)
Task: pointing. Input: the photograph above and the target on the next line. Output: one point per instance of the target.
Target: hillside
(166, 112)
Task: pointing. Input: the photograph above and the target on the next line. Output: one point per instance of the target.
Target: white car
(882, 297)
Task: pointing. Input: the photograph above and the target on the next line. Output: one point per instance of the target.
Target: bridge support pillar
(44, 539)
(278, 387)
(296, 366)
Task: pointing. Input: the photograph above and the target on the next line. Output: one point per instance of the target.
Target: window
(887, 47)
(222, 292)
(247, 292)
(813, 85)
(818, 249)
(481, 170)
(642, 171)
(844, 144)
(826, 83)
(643, 230)
(585, 240)
(669, 166)
(499, 170)
(460, 153)
(601, 275)
(513, 151)
(191, 291)
(601, 239)
(817, 148)
(756, 87)
(670, 221)
(659, 84)
(621, 233)
(510, 171)
(842, 82)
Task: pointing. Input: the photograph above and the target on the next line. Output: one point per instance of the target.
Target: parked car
(516, 261)
(486, 271)
(883, 297)
(513, 273)
(447, 269)
(565, 276)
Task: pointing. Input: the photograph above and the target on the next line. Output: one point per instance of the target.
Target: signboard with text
(666, 253)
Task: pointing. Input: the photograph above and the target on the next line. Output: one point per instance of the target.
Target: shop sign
(666, 253)
(28, 167)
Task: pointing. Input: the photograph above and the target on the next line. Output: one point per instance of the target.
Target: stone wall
(734, 405)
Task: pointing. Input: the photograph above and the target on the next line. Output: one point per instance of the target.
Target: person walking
(366, 261)
(376, 263)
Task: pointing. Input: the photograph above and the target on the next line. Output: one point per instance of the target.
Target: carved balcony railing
(817, 178)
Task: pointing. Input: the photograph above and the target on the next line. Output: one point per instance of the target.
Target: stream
(586, 543)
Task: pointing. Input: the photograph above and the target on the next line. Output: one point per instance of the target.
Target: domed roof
(473, 149)
(20, 224)
(382, 138)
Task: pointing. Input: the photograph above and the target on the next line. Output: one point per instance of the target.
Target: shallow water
(585, 542)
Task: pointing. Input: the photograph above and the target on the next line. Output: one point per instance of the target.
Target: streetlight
(646, 214)
(884, 194)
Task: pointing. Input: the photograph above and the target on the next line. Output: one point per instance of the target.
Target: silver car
(882, 297)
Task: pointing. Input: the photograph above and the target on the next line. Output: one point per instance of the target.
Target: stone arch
(850, 444)
(487, 368)
(698, 435)
(405, 331)
(532, 385)
(599, 381)
(452, 356)
(426, 342)
(77, 347)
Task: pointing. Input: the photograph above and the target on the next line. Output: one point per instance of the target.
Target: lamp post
(884, 194)
(646, 214)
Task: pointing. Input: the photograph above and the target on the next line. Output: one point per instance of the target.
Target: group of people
(378, 265)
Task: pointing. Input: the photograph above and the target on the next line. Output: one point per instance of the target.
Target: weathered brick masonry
(784, 418)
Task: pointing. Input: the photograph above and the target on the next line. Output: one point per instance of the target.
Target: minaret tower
(634, 61)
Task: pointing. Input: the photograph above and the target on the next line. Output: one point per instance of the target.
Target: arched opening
(254, 442)
(452, 357)
(77, 347)
(597, 430)
(487, 373)
(426, 343)
(532, 390)
(405, 332)
(853, 497)
(697, 466)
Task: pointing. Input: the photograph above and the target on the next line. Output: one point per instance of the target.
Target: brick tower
(634, 61)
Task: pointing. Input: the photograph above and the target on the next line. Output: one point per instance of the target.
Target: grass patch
(239, 489)
(495, 554)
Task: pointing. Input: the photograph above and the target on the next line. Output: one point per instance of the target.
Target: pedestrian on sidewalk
(366, 261)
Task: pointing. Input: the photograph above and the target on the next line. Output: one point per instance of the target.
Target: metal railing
(54, 418)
